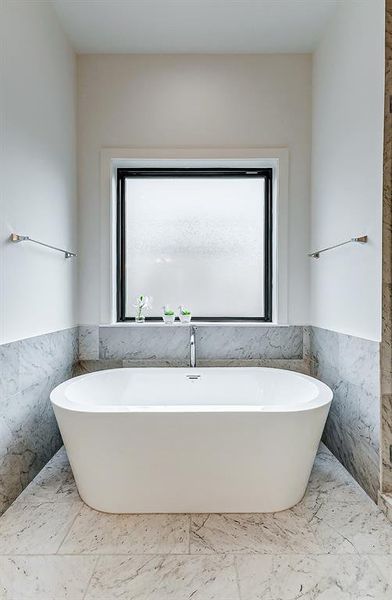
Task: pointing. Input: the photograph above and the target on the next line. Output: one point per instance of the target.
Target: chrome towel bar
(15, 237)
(360, 240)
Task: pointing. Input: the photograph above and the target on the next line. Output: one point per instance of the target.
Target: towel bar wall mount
(363, 239)
(15, 237)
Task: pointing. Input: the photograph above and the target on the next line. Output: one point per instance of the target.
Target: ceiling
(194, 26)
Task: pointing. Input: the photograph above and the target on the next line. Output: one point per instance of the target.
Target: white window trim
(277, 158)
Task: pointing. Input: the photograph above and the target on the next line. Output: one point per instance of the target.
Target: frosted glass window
(197, 242)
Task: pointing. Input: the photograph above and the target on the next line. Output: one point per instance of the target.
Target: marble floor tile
(334, 545)
(100, 533)
(359, 525)
(246, 533)
(384, 564)
(55, 483)
(324, 527)
(36, 528)
(164, 577)
(45, 577)
(322, 577)
(329, 479)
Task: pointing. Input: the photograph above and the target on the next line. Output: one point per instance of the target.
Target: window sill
(195, 324)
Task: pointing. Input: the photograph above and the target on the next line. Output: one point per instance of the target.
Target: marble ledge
(89, 366)
(194, 324)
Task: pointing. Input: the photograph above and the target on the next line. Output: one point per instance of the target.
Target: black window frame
(126, 173)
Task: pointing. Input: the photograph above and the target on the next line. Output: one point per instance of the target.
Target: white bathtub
(153, 440)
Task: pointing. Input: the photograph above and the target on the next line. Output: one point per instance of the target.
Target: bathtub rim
(58, 396)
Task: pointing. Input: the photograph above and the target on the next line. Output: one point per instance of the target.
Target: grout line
(197, 554)
(69, 529)
(91, 577)
(189, 532)
(232, 553)
(237, 575)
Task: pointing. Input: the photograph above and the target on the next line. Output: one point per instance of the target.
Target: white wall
(346, 201)
(193, 101)
(38, 185)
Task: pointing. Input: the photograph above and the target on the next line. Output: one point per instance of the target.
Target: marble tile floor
(335, 545)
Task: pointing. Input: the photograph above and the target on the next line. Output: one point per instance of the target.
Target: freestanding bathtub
(144, 440)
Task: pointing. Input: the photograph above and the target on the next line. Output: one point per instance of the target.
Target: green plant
(168, 312)
(185, 312)
(142, 303)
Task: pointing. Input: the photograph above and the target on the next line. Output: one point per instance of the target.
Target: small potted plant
(168, 315)
(185, 314)
(143, 303)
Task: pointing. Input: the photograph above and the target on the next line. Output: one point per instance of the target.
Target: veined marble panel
(44, 355)
(88, 342)
(171, 344)
(138, 343)
(217, 346)
(89, 366)
(358, 456)
(386, 444)
(241, 343)
(386, 338)
(29, 435)
(9, 364)
(385, 504)
(350, 366)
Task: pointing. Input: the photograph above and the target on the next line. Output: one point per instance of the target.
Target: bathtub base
(192, 462)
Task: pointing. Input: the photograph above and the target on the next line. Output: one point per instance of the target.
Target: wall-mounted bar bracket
(15, 237)
(359, 240)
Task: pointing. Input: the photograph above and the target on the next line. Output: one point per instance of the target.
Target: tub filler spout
(192, 343)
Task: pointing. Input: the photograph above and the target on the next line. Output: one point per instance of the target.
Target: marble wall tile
(386, 443)
(299, 365)
(217, 346)
(386, 338)
(360, 458)
(9, 369)
(29, 437)
(385, 504)
(386, 344)
(89, 366)
(171, 344)
(350, 366)
(43, 355)
(249, 342)
(88, 342)
(144, 342)
(306, 331)
(358, 362)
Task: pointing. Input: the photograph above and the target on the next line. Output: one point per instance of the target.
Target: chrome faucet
(192, 342)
